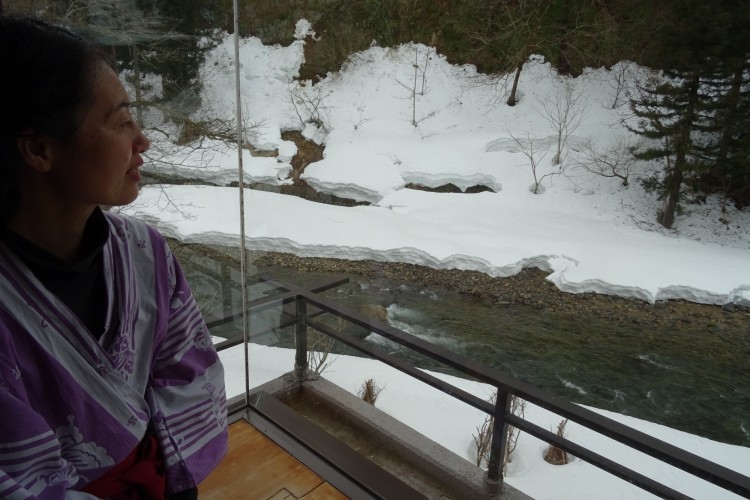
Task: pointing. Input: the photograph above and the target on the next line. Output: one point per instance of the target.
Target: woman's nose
(141, 143)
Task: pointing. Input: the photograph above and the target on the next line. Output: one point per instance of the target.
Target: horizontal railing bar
(270, 301)
(320, 287)
(595, 459)
(407, 368)
(438, 353)
(255, 306)
(663, 451)
(214, 320)
(226, 344)
(227, 315)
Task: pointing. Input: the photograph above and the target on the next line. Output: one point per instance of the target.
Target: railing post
(226, 286)
(300, 338)
(494, 477)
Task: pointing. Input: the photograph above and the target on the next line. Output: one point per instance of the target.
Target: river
(686, 374)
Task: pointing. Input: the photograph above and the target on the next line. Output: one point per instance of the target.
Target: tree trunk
(137, 85)
(731, 119)
(683, 146)
(666, 218)
(512, 98)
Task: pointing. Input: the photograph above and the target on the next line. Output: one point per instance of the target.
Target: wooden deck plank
(324, 491)
(257, 468)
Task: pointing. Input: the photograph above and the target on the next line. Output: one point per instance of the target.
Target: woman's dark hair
(46, 77)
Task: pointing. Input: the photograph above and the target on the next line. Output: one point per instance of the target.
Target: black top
(80, 284)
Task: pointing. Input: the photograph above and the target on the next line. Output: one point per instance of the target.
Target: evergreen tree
(679, 112)
(179, 60)
(668, 115)
(727, 166)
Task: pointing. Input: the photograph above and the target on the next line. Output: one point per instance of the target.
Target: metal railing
(309, 306)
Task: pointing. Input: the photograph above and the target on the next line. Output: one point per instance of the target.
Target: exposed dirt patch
(307, 152)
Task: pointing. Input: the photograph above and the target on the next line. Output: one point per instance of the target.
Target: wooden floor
(257, 468)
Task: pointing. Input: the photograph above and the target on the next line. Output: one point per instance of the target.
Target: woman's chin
(122, 201)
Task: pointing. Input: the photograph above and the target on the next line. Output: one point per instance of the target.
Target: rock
(376, 311)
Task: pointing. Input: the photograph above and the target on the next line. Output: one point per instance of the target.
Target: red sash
(139, 476)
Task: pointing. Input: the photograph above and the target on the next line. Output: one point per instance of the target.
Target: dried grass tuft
(369, 391)
(554, 455)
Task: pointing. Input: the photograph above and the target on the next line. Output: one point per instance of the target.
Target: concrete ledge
(428, 466)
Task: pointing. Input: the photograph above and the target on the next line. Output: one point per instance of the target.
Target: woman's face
(99, 164)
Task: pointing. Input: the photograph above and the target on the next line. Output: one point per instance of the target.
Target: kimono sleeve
(187, 389)
(31, 459)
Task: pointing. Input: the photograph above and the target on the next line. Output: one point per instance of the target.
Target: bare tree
(531, 149)
(524, 37)
(622, 73)
(196, 145)
(564, 110)
(419, 87)
(310, 104)
(513, 31)
(119, 23)
(615, 161)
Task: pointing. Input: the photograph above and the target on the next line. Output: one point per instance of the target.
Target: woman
(109, 384)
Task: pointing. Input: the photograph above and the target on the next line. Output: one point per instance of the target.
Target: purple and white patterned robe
(71, 407)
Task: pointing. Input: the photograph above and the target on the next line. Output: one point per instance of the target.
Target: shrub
(483, 437)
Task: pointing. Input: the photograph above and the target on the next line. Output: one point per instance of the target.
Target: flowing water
(687, 379)
(684, 380)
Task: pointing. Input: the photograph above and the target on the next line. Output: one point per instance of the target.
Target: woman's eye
(127, 119)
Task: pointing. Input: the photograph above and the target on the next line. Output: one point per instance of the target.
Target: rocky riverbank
(529, 288)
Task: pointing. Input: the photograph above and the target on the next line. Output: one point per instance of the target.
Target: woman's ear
(36, 151)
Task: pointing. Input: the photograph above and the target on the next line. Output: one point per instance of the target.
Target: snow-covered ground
(590, 232)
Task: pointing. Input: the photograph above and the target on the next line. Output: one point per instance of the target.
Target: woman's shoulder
(138, 235)
(125, 226)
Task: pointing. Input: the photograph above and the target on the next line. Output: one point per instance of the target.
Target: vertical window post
(300, 338)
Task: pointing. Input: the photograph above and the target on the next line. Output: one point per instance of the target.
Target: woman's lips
(134, 173)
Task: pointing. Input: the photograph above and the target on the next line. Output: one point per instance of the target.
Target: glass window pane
(488, 205)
